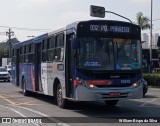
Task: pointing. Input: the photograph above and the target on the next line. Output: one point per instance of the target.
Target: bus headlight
(78, 79)
(91, 86)
(86, 84)
(137, 84)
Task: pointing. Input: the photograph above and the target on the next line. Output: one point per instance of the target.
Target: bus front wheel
(61, 102)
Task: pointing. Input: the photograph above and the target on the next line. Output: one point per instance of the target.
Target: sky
(35, 17)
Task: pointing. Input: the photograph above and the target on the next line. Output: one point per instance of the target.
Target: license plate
(115, 94)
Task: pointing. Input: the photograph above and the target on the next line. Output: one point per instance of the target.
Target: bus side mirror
(75, 44)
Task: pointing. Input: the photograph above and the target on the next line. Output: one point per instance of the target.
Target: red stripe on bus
(94, 82)
(32, 77)
(99, 82)
(76, 83)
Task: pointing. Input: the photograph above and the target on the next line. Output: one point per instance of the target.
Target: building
(146, 51)
(146, 40)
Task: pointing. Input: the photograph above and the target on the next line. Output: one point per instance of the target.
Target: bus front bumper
(85, 94)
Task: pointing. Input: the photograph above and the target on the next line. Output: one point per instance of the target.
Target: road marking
(16, 103)
(6, 99)
(43, 115)
(31, 110)
(19, 113)
(26, 103)
(148, 102)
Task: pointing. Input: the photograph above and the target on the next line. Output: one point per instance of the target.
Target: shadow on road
(45, 98)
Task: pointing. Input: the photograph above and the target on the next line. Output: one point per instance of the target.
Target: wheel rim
(59, 96)
(24, 85)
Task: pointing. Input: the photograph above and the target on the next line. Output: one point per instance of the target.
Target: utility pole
(150, 70)
(9, 33)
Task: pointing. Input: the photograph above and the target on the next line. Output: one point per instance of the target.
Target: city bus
(94, 60)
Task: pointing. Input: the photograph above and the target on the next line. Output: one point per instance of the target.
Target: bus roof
(74, 24)
(33, 40)
(68, 28)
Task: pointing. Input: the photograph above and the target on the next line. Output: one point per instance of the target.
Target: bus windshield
(128, 54)
(108, 54)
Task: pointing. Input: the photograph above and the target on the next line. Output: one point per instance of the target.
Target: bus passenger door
(37, 67)
(69, 66)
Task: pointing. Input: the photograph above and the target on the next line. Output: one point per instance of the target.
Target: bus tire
(111, 103)
(24, 91)
(61, 102)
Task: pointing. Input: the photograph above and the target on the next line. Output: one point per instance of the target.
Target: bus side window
(44, 53)
(52, 41)
(30, 53)
(48, 46)
(50, 55)
(21, 54)
(59, 47)
(25, 54)
(13, 56)
(50, 49)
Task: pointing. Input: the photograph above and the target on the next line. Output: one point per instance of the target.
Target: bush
(152, 79)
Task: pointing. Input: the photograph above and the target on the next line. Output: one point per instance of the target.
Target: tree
(142, 21)
(4, 47)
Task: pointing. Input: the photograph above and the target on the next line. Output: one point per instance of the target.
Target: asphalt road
(21, 109)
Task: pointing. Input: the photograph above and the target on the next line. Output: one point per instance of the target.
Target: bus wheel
(61, 102)
(111, 103)
(24, 91)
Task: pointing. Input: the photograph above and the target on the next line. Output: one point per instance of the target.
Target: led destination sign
(105, 28)
(112, 29)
